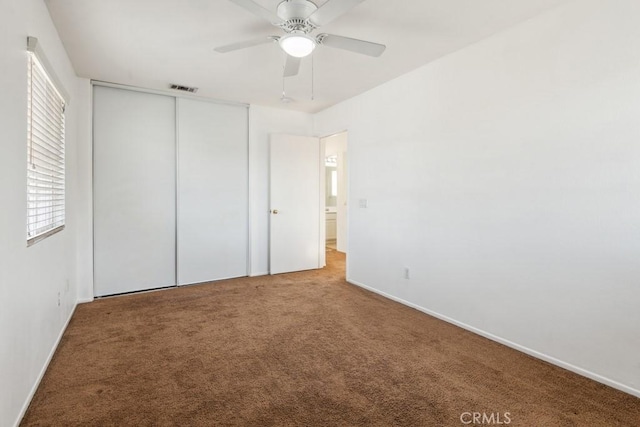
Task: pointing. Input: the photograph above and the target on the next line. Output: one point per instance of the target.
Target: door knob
(275, 211)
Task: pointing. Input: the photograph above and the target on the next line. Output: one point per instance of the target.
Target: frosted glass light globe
(297, 45)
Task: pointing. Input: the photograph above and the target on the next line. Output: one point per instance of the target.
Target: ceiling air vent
(184, 88)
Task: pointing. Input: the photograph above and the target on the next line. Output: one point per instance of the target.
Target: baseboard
(265, 273)
(538, 355)
(84, 300)
(27, 402)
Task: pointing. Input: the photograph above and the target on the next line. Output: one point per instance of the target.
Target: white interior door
(295, 203)
(212, 191)
(134, 191)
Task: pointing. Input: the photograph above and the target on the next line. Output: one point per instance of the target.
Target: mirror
(331, 187)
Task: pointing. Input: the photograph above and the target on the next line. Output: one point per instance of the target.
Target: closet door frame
(176, 97)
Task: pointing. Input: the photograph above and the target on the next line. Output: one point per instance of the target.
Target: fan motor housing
(296, 9)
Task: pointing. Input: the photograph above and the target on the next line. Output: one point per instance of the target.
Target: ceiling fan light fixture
(298, 45)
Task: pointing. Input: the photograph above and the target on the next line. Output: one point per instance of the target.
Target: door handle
(275, 211)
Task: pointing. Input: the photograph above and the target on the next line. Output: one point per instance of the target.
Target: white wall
(505, 176)
(264, 121)
(30, 278)
(84, 199)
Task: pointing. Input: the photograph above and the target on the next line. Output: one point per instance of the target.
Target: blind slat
(46, 89)
(45, 119)
(38, 159)
(48, 132)
(47, 155)
(49, 104)
(41, 71)
(45, 176)
(43, 223)
(53, 213)
(42, 92)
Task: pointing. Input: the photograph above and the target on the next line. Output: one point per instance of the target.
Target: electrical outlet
(363, 203)
(406, 273)
(58, 299)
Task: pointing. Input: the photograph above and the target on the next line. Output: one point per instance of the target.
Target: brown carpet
(301, 349)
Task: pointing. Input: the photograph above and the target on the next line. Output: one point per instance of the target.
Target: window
(334, 183)
(45, 151)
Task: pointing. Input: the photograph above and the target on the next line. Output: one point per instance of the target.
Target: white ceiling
(152, 43)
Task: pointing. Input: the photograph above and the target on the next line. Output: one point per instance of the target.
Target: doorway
(308, 188)
(335, 197)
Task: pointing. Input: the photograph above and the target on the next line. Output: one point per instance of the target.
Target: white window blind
(45, 154)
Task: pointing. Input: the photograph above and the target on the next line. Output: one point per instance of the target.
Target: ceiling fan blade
(331, 10)
(292, 66)
(258, 10)
(353, 45)
(245, 44)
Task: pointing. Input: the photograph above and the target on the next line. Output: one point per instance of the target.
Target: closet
(170, 189)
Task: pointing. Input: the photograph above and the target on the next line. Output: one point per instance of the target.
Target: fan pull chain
(284, 95)
(313, 79)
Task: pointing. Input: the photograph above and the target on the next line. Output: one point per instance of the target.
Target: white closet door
(212, 191)
(134, 191)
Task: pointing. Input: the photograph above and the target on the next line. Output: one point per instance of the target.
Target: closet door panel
(134, 191)
(212, 191)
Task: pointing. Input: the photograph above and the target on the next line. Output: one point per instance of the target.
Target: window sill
(32, 241)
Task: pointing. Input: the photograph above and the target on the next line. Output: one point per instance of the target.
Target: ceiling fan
(298, 19)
